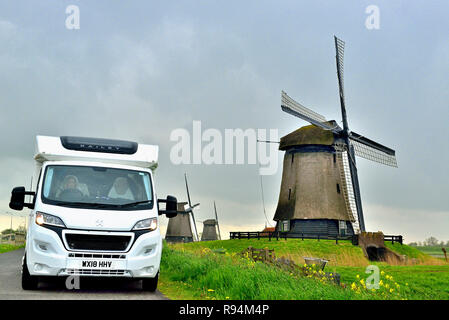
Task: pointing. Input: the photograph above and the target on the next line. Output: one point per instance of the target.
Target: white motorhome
(94, 211)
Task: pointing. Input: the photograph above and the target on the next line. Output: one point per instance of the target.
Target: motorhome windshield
(97, 187)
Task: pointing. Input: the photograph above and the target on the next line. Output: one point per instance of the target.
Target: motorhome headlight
(150, 224)
(47, 219)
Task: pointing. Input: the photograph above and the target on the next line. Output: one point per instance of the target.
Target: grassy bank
(414, 253)
(9, 247)
(295, 249)
(433, 250)
(188, 275)
(199, 271)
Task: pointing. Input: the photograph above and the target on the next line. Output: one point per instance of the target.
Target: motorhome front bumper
(50, 257)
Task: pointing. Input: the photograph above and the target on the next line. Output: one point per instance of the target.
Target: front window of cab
(97, 188)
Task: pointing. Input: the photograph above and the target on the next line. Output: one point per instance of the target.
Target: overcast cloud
(137, 70)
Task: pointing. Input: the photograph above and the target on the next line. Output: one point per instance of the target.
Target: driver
(120, 189)
(71, 183)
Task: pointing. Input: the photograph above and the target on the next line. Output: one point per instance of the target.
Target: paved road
(10, 285)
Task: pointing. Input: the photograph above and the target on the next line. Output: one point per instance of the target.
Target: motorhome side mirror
(18, 199)
(171, 207)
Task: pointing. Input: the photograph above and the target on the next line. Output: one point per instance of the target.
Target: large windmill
(320, 190)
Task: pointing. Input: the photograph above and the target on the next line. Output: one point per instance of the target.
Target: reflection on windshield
(84, 186)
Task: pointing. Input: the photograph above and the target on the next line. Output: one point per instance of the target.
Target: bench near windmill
(320, 192)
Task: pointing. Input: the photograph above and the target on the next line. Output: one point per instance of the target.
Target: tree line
(429, 242)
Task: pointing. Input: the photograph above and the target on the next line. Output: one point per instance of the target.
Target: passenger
(120, 189)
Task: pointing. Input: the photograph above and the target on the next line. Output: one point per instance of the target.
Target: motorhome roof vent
(99, 145)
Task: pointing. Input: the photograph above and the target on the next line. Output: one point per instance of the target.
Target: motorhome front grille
(97, 255)
(95, 272)
(97, 242)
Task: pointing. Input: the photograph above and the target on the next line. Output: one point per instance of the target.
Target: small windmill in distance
(210, 228)
(320, 190)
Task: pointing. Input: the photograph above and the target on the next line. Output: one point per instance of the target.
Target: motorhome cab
(94, 211)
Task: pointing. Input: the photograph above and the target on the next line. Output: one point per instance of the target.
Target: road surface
(118, 289)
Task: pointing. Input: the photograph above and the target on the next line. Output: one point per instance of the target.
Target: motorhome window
(48, 183)
(97, 187)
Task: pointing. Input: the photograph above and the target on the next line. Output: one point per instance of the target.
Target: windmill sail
(298, 110)
(216, 218)
(340, 54)
(348, 191)
(191, 207)
(372, 150)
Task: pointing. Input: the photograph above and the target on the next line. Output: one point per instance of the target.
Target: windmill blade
(340, 54)
(190, 205)
(348, 190)
(187, 188)
(216, 219)
(371, 150)
(355, 187)
(298, 110)
(339, 57)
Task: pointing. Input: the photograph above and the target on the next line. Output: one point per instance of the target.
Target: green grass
(343, 253)
(9, 247)
(189, 270)
(417, 282)
(432, 250)
(412, 252)
(188, 275)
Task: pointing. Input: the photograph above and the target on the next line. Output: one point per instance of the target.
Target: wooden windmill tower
(320, 191)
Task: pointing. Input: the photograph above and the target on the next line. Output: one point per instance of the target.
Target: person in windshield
(70, 182)
(69, 187)
(120, 189)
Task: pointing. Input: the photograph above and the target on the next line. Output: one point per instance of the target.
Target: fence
(393, 239)
(285, 235)
(16, 239)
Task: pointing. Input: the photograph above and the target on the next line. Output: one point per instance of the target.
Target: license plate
(104, 264)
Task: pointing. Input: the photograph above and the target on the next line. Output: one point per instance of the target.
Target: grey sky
(139, 69)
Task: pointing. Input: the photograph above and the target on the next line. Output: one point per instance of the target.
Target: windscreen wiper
(85, 204)
(101, 205)
(132, 204)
